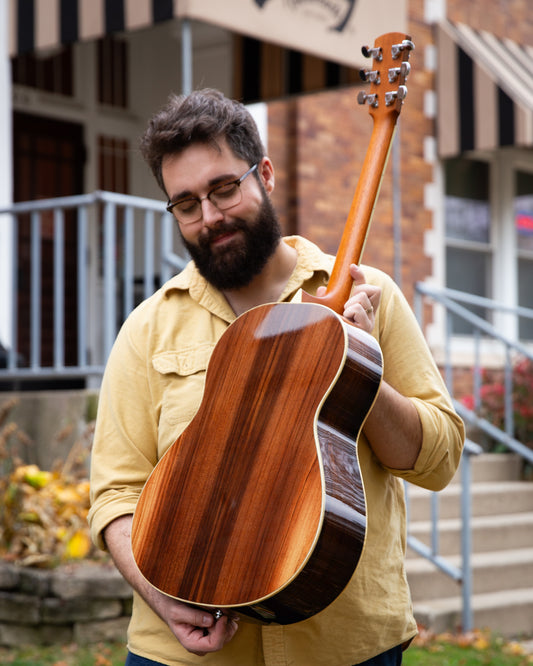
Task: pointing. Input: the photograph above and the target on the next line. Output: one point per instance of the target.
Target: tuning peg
(371, 99)
(406, 45)
(369, 75)
(403, 70)
(372, 53)
(391, 97)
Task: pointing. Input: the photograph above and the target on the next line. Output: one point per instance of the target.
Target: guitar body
(259, 505)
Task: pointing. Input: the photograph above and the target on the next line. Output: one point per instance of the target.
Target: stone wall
(81, 603)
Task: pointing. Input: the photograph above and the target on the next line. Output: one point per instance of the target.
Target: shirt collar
(311, 263)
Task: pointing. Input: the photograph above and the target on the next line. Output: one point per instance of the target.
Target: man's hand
(196, 629)
(363, 303)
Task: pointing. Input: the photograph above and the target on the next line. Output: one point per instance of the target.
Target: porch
(79, 266)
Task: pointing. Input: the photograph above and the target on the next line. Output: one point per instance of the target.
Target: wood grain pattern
(259, 505)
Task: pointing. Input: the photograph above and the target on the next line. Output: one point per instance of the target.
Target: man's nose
(210, 213)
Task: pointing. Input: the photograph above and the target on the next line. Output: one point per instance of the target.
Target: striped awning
(485, 91)
(334, 30)
(38, 25)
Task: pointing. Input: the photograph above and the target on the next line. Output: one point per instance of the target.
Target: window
(265, 71)
(468, 233)
(523, 216)
(113, 164)
(51, 73)
(112, 68)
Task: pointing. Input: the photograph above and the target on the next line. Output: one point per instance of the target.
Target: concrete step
(488, 498)
(493, 467)
(502, 550)
(491, 572)
(488, 533)
(508, 613)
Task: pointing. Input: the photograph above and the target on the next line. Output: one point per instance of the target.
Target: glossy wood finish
(259, 505)
(366, 193)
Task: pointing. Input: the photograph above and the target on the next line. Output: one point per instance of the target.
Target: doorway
(48, 162)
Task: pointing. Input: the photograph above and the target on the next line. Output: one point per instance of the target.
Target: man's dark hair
(204, 116)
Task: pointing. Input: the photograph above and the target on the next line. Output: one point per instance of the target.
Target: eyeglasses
(223, 196)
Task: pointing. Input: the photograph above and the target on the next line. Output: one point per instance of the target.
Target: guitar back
(233, 510)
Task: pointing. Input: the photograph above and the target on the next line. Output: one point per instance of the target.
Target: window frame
(504, 251)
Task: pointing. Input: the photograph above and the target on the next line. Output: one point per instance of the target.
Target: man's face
(232, 246)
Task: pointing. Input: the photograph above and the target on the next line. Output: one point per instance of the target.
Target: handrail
(450, 300)
(117, 264)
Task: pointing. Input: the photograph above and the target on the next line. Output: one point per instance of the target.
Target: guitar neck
(385, 115)
(359, 217)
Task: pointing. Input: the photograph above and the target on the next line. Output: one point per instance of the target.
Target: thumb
(321, 291)
(357, 274)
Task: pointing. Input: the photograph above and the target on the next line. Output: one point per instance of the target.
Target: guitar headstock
(387, 76)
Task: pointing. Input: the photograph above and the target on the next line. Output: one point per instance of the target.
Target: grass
(473, 649)
(67, 655)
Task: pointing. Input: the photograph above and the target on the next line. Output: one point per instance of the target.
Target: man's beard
(235, 267)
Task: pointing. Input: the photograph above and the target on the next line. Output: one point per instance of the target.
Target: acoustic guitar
(259, 505)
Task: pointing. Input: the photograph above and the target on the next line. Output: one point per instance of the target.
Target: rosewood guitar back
(259, 504)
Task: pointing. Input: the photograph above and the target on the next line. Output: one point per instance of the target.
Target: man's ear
(266, 173)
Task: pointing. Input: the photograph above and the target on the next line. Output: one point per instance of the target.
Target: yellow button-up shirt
(152, 388)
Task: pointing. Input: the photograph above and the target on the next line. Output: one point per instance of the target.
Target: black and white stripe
(485, 91)
(45, 24)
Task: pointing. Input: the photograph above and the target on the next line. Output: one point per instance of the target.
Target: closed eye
(225, 190)
(186, 205)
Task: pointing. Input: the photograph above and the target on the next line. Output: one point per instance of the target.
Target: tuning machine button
(375, 53)
(371, 76)
(391, 97)
(370, 99)
(402, 70)
(406, 45)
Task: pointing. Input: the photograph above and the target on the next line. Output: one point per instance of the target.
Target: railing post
(110, 310)
(35, 290)
(59, 288)
(82, 286)
(148, 253)
(13, 348)
(466, 541)
(128, 262)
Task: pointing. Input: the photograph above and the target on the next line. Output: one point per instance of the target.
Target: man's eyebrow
(224, 178)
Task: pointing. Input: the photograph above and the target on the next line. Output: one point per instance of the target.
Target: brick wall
(504, 18)
(318, 143)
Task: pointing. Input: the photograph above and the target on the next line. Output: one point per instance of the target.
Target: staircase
(502, 551)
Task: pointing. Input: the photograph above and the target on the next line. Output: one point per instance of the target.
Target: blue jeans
(390, 658)
(135, 660)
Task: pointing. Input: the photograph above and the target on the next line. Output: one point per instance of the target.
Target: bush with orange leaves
(43, 514)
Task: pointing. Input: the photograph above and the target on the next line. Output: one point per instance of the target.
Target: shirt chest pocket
(182, 378)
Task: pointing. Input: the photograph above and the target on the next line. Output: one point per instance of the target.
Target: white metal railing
(125, 248)
(453, 303)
